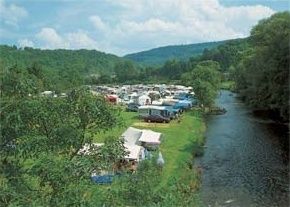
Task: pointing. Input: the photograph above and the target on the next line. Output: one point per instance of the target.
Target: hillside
(82, 61)
(158, 56)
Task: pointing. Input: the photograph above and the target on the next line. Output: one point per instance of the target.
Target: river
(244, 164)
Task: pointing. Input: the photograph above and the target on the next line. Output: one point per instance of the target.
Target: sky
(127, 26)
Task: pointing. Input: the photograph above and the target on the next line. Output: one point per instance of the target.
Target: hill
(84, 61)
(158, 56)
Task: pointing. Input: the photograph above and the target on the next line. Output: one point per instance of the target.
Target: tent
(150, 137)
(131, 135)
(136, 152)
(144, 100)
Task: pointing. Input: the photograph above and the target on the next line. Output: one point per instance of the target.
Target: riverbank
(181, 141)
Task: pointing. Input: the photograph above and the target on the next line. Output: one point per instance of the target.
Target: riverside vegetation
(40, 136)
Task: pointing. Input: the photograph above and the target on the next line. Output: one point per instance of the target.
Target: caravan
(154, 113)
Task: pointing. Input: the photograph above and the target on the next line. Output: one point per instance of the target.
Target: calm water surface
(244, 163)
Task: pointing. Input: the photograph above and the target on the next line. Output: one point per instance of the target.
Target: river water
(244, 164)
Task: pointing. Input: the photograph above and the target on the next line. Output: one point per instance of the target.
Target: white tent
(144, 100)
(131, 135)
(135, 152)
(150, 137)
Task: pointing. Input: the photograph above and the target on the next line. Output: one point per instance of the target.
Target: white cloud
(98, 23)
(11, 14)
(80, 39)
(146, 24)
(25, 43)
(49, 38)
(127, 26)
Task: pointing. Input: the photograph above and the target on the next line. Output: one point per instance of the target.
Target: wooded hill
(158, 56)
(84, 61)
(61, 68)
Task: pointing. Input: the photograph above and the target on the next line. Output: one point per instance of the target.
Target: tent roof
(131, 135)
(150, 137)
(134, 151)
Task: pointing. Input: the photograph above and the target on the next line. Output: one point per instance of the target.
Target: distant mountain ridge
(160, 55)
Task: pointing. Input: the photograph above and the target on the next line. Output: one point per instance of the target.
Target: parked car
(132, 107)
(157, 118)
(154, 113)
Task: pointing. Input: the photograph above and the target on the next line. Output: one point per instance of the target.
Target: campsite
(144, 103)
(143, 137)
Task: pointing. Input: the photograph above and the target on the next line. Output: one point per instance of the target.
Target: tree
(205, 80)
(39, 144)
(125, 71)
(263, 75)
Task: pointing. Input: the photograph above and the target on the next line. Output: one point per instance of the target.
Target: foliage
(205, 79)
(158, 56)
(125, 71)
(262, 76)
(40, 139)
(62, 69)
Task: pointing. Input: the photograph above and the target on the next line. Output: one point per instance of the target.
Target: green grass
(128, 119)
(178, 143)
(179, 140)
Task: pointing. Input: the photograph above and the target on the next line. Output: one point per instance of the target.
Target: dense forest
(61, 69)
(158, 56)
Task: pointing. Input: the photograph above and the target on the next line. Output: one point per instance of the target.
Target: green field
(179, 139)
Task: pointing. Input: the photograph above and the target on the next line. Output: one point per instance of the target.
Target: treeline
(262, 74)
(158, 56)
(61, 69)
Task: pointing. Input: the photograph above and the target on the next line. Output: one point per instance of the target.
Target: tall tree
(263, 76)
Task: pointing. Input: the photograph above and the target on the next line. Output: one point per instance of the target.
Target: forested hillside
(61, 68)
(84, 61)
(158, 56)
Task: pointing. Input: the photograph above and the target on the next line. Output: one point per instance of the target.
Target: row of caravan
(164, 110)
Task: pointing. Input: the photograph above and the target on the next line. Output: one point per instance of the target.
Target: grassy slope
(178, 139)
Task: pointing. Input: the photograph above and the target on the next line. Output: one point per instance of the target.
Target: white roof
(131, 135)
(152, 107)
(150, 136)
(134, 151)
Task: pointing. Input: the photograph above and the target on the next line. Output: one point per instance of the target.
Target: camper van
(154, 113)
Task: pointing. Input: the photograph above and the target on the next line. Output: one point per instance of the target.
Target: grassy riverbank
(180, 143)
